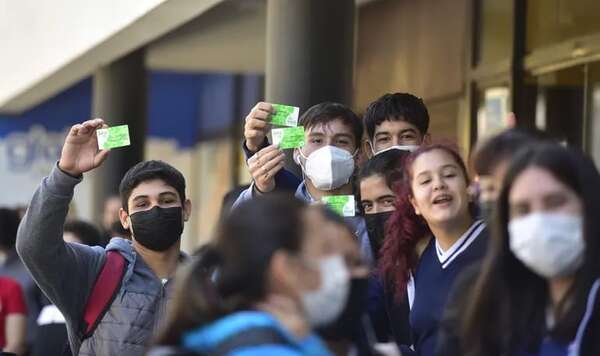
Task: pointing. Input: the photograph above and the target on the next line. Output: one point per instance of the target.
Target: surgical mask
(550, 244)
(408, 148)
(376, 229)
(324, 305)
(328, 168)
(158, 228)
(349, 322)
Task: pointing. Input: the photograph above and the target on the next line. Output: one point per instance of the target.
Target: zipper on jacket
(161, 306)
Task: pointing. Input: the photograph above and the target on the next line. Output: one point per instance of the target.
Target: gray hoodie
(66, 273)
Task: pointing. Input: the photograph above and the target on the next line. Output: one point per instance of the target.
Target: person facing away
(273, 274)
(433, 206)
(538, 290)
(154, 208)
(52, 338)
(328, 160)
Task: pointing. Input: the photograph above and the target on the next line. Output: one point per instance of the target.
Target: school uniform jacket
(432, 282)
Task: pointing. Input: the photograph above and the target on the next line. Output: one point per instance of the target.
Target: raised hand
(257, 125)
(80, 152)
(264, 165)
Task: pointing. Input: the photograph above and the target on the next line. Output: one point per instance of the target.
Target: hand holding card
(113, 137)
(288, 137)
(341, 204)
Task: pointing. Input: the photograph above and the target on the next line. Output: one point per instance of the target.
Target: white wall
(38, 37)
(49, 45)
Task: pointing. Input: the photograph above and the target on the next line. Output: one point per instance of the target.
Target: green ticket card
(113, 137)
(285, 115)
(288, 137)
(342, 204)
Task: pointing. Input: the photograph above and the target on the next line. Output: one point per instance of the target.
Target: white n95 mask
(550, 244)
(328, 168)
(325, 304)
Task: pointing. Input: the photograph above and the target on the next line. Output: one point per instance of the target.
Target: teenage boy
(154, 208)
(397, 120)
(327, 159)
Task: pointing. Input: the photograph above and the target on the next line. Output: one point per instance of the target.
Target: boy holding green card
(327, 157)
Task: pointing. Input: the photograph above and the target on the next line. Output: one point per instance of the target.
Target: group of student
(428, 265)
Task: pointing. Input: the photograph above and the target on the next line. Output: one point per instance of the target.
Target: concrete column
(310, 52)
(119, 97)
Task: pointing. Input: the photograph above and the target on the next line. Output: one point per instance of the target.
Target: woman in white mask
(273, 274)
(537, 292)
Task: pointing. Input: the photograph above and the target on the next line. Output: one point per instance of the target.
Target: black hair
(524, 294)
(87, 233)
(396, 107)
(388, 164)
(9, 223)
(230, 274)
(326, 112)
(489, 153)
(149, 170)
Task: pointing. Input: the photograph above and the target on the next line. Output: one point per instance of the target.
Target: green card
(288, 137)
(342, 204)
(285, 115)
(113, 137)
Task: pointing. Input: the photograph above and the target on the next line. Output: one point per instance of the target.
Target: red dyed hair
(405, 228)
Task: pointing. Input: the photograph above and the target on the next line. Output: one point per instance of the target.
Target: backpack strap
(104, 291)
(250, 337)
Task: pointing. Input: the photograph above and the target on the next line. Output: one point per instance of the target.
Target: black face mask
(376, 229)
(158, 228)
(347, 325)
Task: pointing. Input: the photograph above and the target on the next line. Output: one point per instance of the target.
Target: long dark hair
(508, 301)
(230, 274)
(405, 228)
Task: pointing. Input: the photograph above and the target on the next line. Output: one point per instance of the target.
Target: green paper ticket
(285, 115)
(113, 137)
(342, 204)
(288, 137)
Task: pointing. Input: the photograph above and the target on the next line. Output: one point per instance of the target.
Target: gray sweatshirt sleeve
(65, 272)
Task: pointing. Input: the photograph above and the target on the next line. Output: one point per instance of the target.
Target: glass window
(495, 38)
(594, 102)
(554, 21)
(492, 110)
(559, 104)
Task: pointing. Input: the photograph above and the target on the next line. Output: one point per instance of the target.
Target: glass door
(593, 111)
(558, 104)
